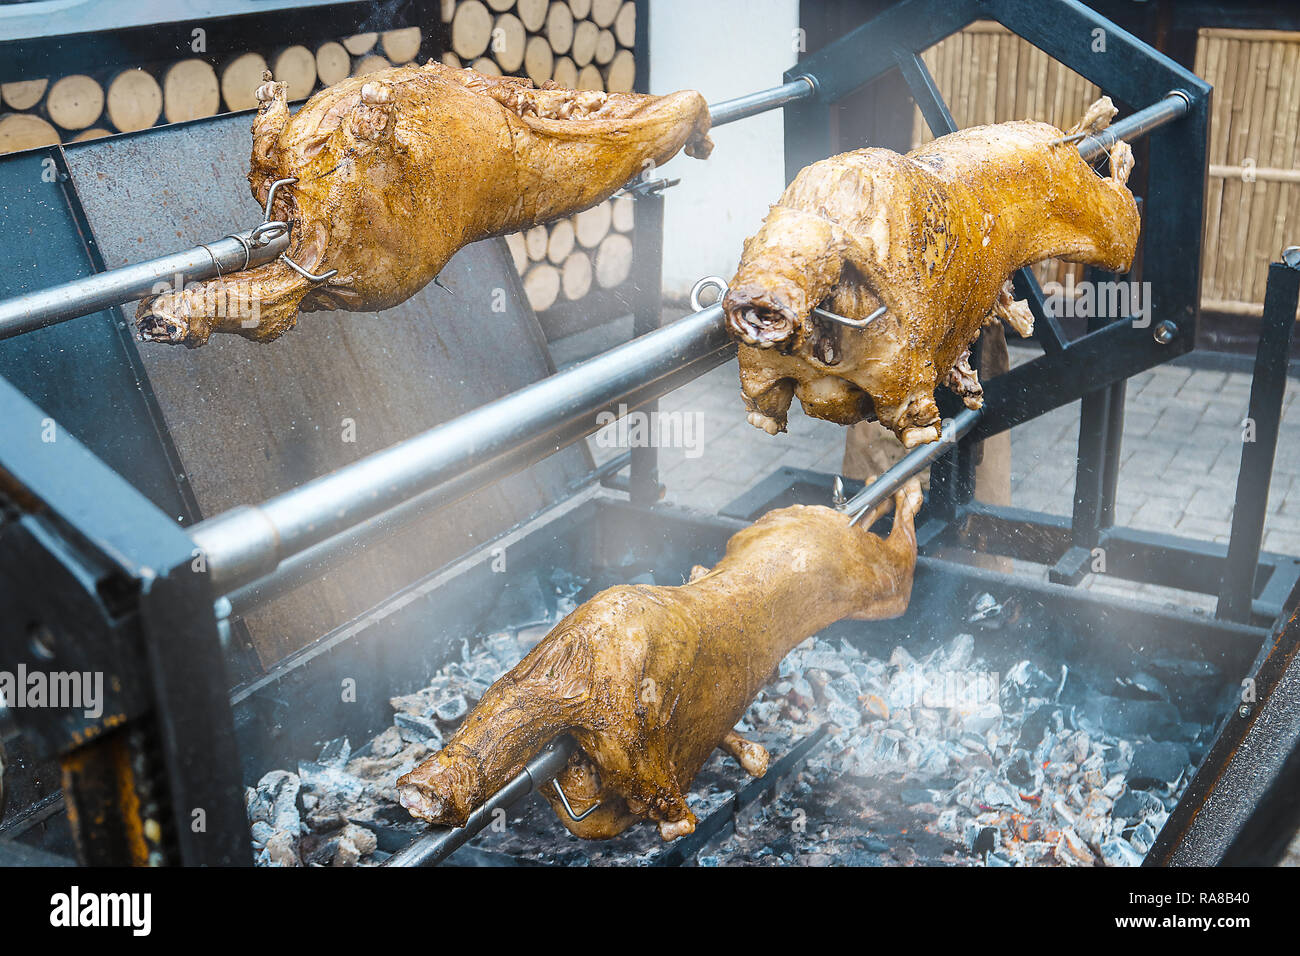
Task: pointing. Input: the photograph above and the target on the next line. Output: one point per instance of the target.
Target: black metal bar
(926, 93)
(1264, 837)
(1246, 757)
(1089, 479)
(1267, 389)
(1116, 352)
(190, 789)
(1047, 330)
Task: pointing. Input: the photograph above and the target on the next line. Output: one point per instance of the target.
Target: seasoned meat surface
(649, 680)
(399, 169)
(934, 235)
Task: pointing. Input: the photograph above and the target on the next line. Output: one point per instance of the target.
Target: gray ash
(936, 759)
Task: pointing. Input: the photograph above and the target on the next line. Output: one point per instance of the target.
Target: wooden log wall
(44, 111)
(580, 44)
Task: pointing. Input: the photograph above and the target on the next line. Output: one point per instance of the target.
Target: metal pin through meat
(717, 282)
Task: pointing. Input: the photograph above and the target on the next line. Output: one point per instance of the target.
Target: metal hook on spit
(719, 283)
(575, 817)
(279, 227)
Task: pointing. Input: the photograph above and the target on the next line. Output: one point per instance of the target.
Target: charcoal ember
(281, 850)
(925, 721)
(1114, 786)
(957, 653)
(997, 859)
(325, 821)
(1093, 769)
(946, 821)
(388, 743)
(1071, 850)
(823, 658)
(907, 689)
(986, 839)
(1137, 805)
(874, 707)
(261, 831)
(1021, 771)
(1142, 837)
(1157, 764)
(451, 707)
(364, 840)
(257, 804)
(279, 791)
(846, 687)
(995, 794)
(765, 712)
(1042, 722)
(870, 671)
(802, 693)
(1118, 852)
(1119, 757)
(1094, 823)
(330, 780)
(1023, 683)
(900, 657)
(985, 611)
(977, 718)
(419, 704)
(418, 729)
(504, 649)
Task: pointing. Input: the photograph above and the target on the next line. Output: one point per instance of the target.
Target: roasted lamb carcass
(398, 169)
(649, 680)
(933, 235)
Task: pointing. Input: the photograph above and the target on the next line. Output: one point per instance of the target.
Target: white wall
(723, 48)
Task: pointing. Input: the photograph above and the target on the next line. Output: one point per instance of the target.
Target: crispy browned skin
(649, 680)
(934, 235)
(400, 168)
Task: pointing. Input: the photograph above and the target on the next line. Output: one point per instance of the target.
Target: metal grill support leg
(1267, 390)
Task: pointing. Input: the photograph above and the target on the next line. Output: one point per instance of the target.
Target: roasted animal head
(396, 170)
(934, 236)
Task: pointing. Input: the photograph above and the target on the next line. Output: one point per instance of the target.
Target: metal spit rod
(104, 290)
(249, 542)
(728, 111)
(914, 461)
(1172, 105)
(441, 842)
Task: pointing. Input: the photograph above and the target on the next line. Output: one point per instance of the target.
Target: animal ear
(272, 116)
(373, 115)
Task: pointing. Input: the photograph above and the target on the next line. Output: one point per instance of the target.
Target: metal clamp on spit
(719, 283)
(284, 256)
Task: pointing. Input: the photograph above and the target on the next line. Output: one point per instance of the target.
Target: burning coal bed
(935, 759)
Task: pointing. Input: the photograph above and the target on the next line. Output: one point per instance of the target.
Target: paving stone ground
(1181, 450)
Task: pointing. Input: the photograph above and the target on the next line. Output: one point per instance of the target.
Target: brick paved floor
(1181, 449)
